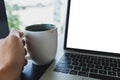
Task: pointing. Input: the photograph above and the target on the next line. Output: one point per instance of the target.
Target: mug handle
(23, 37)
(28, 56)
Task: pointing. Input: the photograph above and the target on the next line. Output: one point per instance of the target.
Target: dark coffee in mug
(42, 27)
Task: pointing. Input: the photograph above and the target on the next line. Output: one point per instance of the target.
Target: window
(21, 13)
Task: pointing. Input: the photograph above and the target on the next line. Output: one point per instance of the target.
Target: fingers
(21, 34)
(25, 62)
(23, 42)
(17, 33)
(25, 51)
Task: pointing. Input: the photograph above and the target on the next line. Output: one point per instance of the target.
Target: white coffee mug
(41, 40)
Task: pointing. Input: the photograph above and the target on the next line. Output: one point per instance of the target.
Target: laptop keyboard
(89, 66)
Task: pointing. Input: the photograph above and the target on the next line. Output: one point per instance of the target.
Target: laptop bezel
(82, 50)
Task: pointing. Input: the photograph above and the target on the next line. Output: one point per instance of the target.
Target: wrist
(7, 73)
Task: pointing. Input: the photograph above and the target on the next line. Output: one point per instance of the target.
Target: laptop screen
(94, 25)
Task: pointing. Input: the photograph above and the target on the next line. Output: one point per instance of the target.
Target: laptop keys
(81, 73)
(107, 68)
(111, 73)
(74, 72)
(82, 64)
(98, 67)
(102, 72)
(116, 69)
(77, 68)
(75, 63)
(118, 74)
(89, 66)
(85, 69)
(94, 70)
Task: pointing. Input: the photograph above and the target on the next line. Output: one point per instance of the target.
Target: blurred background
(21, 13)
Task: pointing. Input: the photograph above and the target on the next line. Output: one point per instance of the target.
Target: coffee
(42, 27)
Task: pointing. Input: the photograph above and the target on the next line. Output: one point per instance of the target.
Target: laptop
(92, 42)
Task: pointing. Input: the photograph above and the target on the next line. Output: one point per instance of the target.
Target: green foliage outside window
(13, 18)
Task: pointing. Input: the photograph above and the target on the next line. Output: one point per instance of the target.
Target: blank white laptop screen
(94, 25)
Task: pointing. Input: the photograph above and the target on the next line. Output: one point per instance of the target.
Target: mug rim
(53, 27)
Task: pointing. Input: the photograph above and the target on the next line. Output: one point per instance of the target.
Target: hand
(12, 56)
